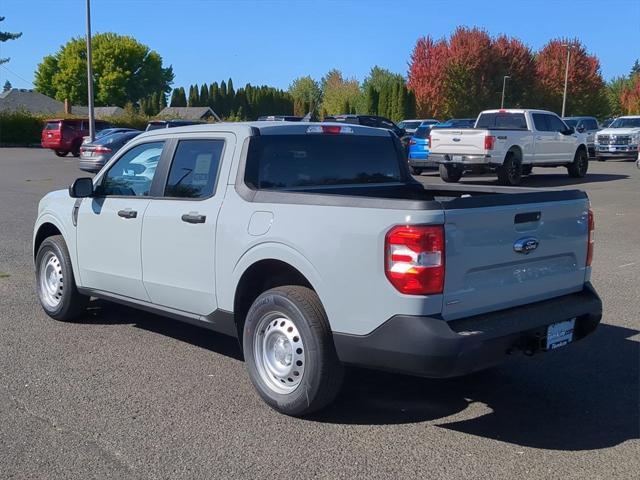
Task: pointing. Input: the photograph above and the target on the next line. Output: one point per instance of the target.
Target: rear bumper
(422, 162)
(91, 164)
(432, 347)
(462, 159)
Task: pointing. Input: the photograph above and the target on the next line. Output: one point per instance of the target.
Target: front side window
(133, 173)
(194, 169)
(555, 124)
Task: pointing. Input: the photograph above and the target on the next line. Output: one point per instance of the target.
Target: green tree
(614, 93)
(635, 68)
(7, 86)
(383, 101)
(306, 94)
(204, 95)
(194, 96)
(6, 36)
(125, 71)
(178, 98)
(339, 93)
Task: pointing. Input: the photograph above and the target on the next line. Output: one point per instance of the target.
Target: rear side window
(52, 126)
(281, 162)
(194, 169)
(590, 124)
(502, 120)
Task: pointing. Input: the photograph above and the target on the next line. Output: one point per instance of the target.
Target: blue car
(419, 150)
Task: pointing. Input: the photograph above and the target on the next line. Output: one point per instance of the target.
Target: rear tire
(578, 168)
(61, 153)
(510, 172)
(289, 351)
(75, 150)
(450, 173)
(416, 170)
(55, 282)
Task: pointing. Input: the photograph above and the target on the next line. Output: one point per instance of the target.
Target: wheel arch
(48, 226)
(514, 149)
(267, 266)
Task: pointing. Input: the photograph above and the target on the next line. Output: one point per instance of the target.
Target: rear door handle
(194, 218)
(539, 138)
(127, 213)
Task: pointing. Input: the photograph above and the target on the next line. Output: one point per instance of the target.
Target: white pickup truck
(509, 142)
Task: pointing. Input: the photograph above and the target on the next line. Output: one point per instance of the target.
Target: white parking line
(627, 265)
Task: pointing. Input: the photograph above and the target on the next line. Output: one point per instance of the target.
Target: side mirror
(81, 188)
(580, 129)
(402, 132)
(569, 131)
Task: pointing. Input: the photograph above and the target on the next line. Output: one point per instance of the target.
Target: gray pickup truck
(314, 246)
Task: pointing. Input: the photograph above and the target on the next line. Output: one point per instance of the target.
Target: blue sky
(274, 41)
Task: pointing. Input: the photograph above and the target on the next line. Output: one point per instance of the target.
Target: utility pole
(566, 77)
(504, 84)
(92, 123)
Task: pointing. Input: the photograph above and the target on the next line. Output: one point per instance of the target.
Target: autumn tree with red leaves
(630, 96)
(586, 89)
(462, 76)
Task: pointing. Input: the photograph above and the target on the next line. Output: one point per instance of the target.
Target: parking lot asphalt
(126, 394)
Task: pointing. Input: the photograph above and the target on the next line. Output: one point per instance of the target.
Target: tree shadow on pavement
(581, 398)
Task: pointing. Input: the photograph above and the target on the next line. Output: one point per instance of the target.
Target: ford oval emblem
(526, 245)
(456, 139)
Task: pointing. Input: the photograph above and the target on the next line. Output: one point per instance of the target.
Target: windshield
(409, 125)
(626, 123)
(279, 162)
(422, 131)
(502, 121)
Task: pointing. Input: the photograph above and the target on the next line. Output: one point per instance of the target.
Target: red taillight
(101, 150)
(489, 140)
(592, 227)
(414, 259)
(429, 140)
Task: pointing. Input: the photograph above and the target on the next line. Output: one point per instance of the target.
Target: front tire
(289, 351)
(61, 153)
(55, 282)
(578, 168)
(449, 173)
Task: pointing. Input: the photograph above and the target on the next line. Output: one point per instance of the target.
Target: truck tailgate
(484, 269)
(469, 141)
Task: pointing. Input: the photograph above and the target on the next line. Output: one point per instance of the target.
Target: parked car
(457, 123)
(158, 124)
(64, 135)
(372, 121)
(272, 233)
(93, 156)
(107, 131)
(588, 125)
(280, 118)
(410, 126)
(418, 155)
(606, 122)
(509, 143)
(620, 139)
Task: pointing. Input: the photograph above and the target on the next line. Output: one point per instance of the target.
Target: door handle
(539, 138)
(127, 213)
(194, 218)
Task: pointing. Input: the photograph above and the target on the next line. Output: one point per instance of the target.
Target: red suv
(65, 135)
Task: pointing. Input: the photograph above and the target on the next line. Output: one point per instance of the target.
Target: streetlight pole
(504, 84)
(566, 77)
(92, 124)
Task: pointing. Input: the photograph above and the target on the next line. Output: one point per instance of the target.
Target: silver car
(588, 125)
(94, 155)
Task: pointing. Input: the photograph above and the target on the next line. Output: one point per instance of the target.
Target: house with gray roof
(25, 100)
(189, 113)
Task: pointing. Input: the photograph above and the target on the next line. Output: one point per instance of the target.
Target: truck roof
(516, 110)
(266, 128)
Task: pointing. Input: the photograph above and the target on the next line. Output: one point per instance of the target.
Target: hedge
(23, 128)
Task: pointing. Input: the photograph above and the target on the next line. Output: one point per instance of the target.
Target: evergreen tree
(5, 36)
(383, 101)
(635, 69)
(223, 100)
(176, 98)
(7, 86)
(372, 100)
(162, 99)
(231, 96)
(204, 95)
(194, 96)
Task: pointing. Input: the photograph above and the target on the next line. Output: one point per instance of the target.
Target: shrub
(20, 128)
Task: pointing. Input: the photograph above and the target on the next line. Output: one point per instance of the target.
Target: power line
(16, 75)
